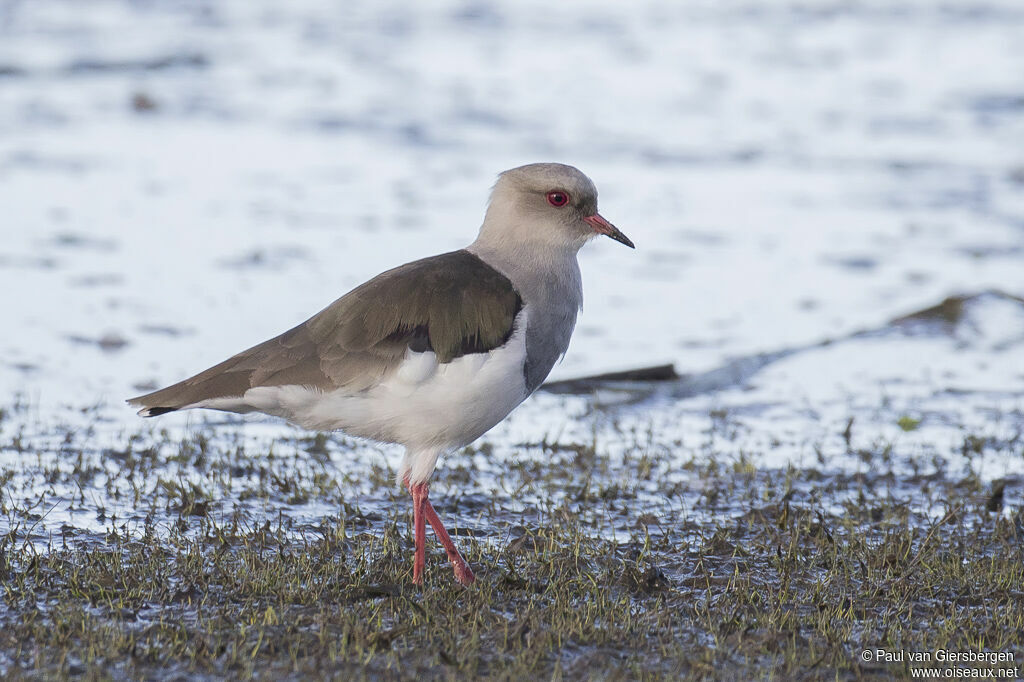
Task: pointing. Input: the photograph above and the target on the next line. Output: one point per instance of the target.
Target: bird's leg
(463, 573)
(421, 501)
(419, 506)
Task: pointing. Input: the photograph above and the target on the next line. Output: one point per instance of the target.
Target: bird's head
(549, 204)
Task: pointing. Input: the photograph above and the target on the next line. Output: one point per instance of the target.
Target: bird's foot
(463, 573)
(424, 511)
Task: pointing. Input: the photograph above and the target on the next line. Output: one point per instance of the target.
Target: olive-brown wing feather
(453, 304)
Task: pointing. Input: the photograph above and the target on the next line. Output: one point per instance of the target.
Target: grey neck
(549, 282)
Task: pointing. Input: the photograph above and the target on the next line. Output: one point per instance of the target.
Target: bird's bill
(602, 226)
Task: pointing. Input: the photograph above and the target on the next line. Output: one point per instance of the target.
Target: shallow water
(180, 182)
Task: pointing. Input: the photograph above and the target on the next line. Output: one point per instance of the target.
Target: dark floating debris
(999, 102)
(174, 61)
(273, 258)
(950, 311)
(644, 382)
(143, 103)
(76, 240)
(25, 367)
(855, 262)
(28, 262)
(639, 384)
(102, 279)
(90, 66)
(148, 385)
(585, 384)
(165, 330)
(109, 342)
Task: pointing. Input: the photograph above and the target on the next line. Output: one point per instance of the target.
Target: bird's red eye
(558, 199)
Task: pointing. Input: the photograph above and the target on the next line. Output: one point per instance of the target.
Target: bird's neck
(539, 272)
(549, 282)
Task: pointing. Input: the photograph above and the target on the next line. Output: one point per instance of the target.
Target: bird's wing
(453, 304)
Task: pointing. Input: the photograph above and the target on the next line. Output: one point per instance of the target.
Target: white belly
(424, 405)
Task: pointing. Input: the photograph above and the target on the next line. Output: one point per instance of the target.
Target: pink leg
(419, 507)
(424, 511)
(463, 573)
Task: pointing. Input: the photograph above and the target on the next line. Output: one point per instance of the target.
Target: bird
(432, 354)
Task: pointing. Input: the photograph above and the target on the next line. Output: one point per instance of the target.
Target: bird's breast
(547, 339)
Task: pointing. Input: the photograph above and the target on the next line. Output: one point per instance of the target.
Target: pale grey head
(548, 204)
